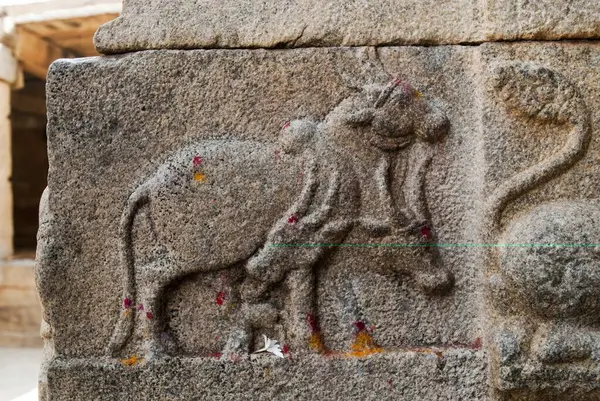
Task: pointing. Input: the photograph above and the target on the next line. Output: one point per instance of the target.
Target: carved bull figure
(271, 208)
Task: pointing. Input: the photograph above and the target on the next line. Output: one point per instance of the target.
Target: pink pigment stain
(406, 87)
(286, 349)
(360, 326)
(216, 355)
(127, 303)
(286, 125)
(313, 323)
(426, 232)
(149, 315)
(220, 298)
(293, 219)
(198, 161)
(477, 344)
(140, 307)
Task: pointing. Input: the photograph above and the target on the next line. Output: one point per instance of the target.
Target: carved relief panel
(542, 277)
(223, 224)
(252, 197)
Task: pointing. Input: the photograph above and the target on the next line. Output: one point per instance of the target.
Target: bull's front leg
(296, 265)
(301, 313)
(296, 240)
(293, 248)
(269, 266)
(302, 308)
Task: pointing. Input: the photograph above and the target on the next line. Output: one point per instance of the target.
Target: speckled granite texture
(347, 202)
(189, 24)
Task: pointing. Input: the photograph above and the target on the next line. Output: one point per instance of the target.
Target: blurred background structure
(32, 35)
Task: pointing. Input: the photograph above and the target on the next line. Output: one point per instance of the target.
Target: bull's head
(390, 116)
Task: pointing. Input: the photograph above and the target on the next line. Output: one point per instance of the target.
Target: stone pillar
(8, 76)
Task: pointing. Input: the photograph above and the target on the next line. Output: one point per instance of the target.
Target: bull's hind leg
(153, 278)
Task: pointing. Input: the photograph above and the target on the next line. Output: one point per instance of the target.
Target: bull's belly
(386, 254)
(214, 203)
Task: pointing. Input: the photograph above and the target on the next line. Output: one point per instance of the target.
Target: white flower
(271, 346)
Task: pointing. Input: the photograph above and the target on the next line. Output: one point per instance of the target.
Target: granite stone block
(192, 24)
(200, 199)
(406, 222)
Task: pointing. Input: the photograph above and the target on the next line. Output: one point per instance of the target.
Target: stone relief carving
(343, 166)
(545, 297)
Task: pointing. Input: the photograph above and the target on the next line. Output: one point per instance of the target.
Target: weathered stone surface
(172, 186)
(542, 153)
(184, 24)
(190, 194)
(542, 19)
(406, 376)
(187, 24)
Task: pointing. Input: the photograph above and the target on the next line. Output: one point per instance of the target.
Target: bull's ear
(361, 117)
(434, 125)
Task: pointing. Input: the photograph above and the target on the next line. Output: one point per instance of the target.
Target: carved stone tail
(572, 152)
(569, 109)
(124, 328)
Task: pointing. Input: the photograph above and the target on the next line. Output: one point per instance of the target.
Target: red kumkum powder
(220, 298)
(426, 232)
(127, 303)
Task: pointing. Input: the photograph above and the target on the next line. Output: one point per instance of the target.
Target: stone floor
(20, 310)
(30, 396)
(18, 373)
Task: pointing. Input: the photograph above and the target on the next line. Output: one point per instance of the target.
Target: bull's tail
(124, 328)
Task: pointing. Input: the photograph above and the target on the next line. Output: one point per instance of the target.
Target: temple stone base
(454, 375)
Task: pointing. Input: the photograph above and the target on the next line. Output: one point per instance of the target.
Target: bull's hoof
(439, 282)
(155, 350)
(238, 344)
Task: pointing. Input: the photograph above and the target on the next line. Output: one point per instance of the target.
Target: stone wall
(406, 204)
(182, 24)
